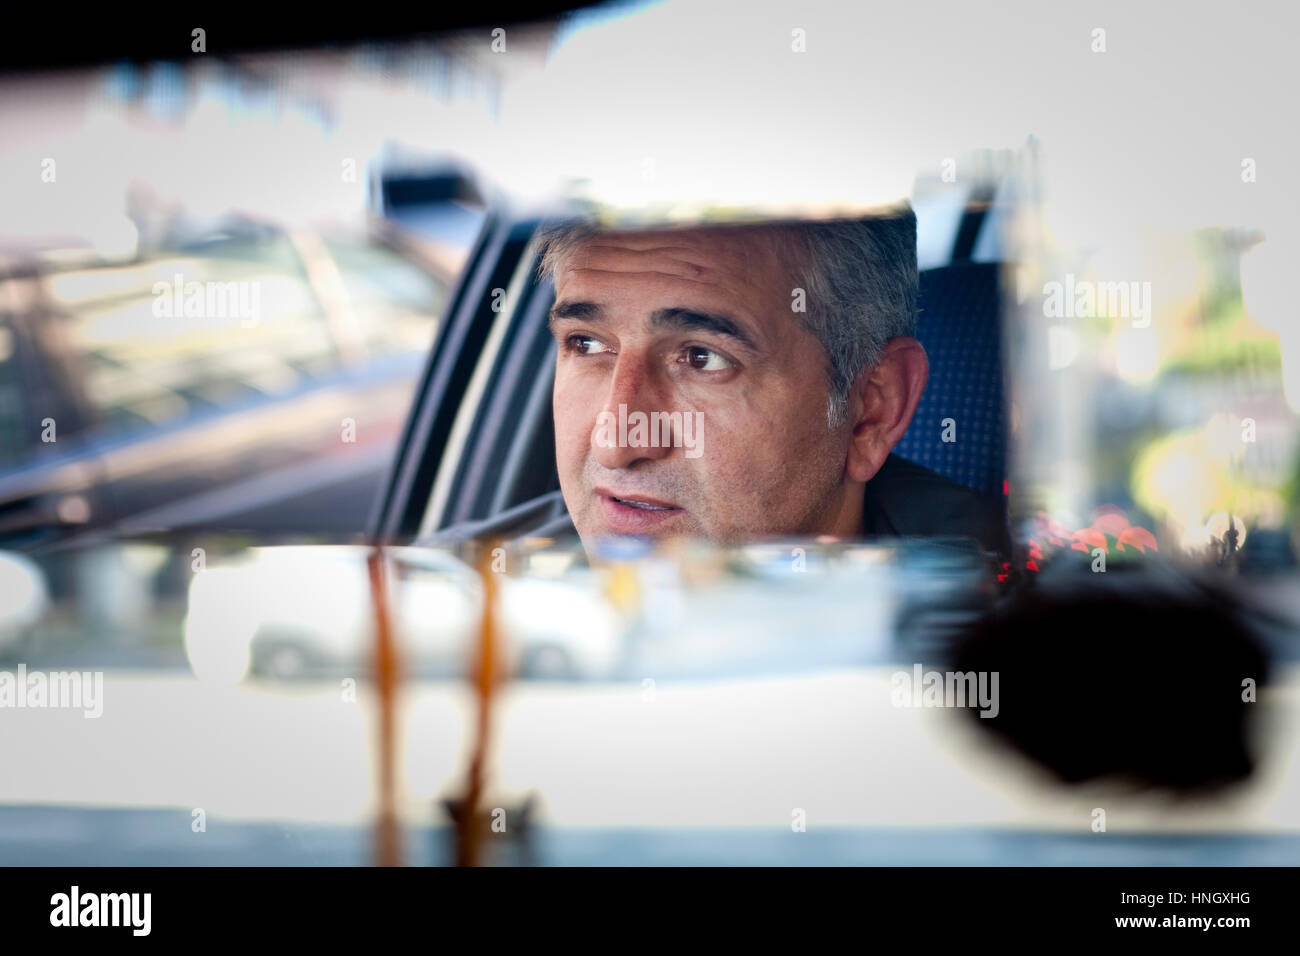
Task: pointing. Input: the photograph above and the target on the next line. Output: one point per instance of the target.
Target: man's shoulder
(905, 498)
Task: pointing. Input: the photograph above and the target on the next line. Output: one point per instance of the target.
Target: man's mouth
(643, 505)
(634, 514)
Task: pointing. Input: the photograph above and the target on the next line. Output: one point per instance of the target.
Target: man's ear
(882, 403)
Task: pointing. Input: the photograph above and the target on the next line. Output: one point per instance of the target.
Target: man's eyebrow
(706, 321)
(574, 310)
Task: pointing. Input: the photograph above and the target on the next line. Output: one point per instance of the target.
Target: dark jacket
(906, 499)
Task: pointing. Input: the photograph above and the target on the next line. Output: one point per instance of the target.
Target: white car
(287, 612)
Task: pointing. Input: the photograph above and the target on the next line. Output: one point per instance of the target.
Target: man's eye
(705, 360)
(584, 345)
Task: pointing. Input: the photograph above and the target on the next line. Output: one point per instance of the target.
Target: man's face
(698, 323)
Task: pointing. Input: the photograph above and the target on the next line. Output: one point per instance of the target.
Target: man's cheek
(726, 477)
(734, 446)
(571, 432)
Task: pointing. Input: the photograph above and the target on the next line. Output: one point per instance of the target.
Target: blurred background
(222, 275)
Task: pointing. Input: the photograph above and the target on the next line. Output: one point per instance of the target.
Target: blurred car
(560, 629)
(129, 404)
(303, 611)
(296, 612)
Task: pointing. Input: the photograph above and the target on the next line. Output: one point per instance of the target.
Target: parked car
(129, 404)
(293, 612)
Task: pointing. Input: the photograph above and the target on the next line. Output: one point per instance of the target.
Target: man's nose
(635, 394)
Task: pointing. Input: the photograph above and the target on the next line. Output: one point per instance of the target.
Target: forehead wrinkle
(637, 262)
(736, 248)
(623, 273)
(632, 246)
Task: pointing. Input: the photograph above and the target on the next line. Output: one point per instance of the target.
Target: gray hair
(859, 279)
